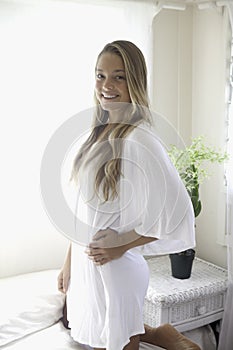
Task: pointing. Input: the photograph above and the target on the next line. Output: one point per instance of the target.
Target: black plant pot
(181, 263)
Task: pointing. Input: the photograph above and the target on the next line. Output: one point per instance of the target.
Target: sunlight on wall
(48, 53)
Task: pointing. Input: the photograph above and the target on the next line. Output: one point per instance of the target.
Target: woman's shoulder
(141, 130)
(145, 135)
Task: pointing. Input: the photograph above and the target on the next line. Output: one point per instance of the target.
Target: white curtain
(226, 334)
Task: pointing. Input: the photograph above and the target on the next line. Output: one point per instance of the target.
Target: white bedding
(55, 337)
(31, 308)
(29, 303)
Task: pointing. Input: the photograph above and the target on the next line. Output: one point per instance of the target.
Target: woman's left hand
(105, 247)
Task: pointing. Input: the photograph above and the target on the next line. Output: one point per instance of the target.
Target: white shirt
(152, 198)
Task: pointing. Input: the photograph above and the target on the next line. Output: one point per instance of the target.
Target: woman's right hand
(64, 275)
(63, 279)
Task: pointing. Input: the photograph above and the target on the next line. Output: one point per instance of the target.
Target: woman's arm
(108, 245)
(64, 275)
(141, 240)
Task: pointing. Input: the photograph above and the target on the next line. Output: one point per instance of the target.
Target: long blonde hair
(107, 135)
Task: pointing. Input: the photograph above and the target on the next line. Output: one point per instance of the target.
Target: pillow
(29, 303)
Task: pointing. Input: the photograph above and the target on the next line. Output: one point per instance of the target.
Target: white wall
(173, 68)
(48, 54)
(45, 79)
(210, 41)
(189, 78)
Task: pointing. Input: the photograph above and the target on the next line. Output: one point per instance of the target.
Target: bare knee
(133, 344)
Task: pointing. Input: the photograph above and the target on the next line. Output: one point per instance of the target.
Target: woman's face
(111, 85)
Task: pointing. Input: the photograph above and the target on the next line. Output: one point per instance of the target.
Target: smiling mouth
(109, 97)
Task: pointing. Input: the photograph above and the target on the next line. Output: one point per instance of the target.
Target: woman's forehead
(110, 60)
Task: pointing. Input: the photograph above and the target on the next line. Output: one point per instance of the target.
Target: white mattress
(55, 337)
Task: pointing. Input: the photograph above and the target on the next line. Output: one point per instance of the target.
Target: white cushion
(28, 303)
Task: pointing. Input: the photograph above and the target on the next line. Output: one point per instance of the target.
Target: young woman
(134, 201)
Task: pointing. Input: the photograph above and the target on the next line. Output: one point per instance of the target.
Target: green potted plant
(189, 163)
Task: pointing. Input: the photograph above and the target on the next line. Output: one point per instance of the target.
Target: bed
(31, 311)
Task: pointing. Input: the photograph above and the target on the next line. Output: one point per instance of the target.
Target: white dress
(105, 303)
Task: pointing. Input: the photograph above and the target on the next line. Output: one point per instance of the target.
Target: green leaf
(190, 164)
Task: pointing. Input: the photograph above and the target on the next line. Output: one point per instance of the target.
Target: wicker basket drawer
(186, 304)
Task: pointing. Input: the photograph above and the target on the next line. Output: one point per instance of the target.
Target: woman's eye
(99, 76)
(120, 77)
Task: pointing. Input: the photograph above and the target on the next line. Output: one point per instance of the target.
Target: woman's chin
(110, 105)
(114, 105)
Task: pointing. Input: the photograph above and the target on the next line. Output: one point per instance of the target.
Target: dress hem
(121, 347)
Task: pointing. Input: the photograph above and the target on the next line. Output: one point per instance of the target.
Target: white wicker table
(186, 304)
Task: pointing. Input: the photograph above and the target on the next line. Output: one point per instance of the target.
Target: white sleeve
(153, 199)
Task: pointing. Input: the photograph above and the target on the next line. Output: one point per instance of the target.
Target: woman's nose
(108, 84)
